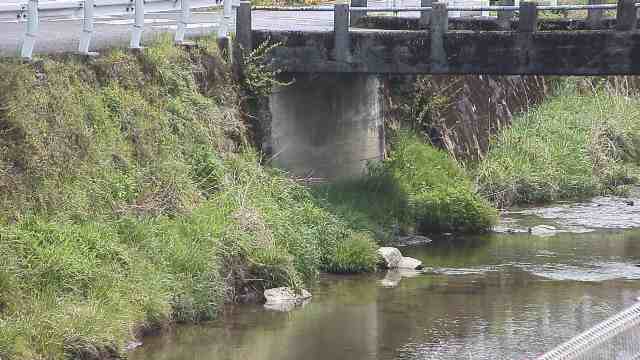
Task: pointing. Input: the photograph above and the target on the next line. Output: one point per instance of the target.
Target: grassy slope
(130, 200)
(571, 146)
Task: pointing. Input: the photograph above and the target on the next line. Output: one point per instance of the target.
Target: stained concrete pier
(327, 125)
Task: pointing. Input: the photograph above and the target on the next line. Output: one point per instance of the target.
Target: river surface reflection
(501, 296)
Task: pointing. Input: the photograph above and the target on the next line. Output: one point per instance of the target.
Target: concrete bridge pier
(327, 125)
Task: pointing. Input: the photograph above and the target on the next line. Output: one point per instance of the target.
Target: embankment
(132, 195)
(583, 141)
(131, 199)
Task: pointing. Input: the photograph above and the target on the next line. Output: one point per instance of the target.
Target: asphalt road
(58, 36)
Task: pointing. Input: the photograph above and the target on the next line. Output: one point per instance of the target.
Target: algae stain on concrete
(327, 125)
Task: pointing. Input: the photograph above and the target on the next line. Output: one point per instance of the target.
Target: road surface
(62, 35)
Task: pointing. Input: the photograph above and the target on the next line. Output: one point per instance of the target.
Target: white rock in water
(410, 263)
(543, 230)
(285, 294)
(391, 256)
(286, 306)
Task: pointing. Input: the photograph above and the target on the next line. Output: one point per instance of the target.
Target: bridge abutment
(327, 125)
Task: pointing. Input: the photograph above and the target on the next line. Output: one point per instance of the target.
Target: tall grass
(129, 200)
(417, 189)
(574, 145)
(70, 289)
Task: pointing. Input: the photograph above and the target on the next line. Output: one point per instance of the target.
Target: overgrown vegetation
(130, 199)
(575, 145)
(417, 189)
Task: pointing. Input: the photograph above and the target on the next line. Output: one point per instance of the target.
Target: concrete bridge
(328, 123)
(505, 45)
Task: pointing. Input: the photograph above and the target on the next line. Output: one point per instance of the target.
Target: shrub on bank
(571, 146)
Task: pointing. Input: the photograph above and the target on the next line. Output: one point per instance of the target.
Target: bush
(354, 254)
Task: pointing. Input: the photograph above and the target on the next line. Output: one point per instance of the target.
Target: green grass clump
(130, 200)
(572, 146)
(75, 288)
(417, 189)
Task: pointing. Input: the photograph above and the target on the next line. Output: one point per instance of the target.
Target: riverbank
(132, 199)
(578, 144)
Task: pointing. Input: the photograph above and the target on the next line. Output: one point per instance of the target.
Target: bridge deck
(603, 52)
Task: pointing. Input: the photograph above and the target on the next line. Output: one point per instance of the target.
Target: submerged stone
(413, 240)
(391, 256)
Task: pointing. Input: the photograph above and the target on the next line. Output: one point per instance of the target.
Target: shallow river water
(499, 296)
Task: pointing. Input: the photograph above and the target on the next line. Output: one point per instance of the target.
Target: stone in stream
(391, 256)
(543, 230)
(412, 240)
(393, 259)
(285, 298)
(132, 345)
(410, 263)
(287, 305)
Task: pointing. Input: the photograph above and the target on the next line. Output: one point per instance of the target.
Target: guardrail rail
(88, 11)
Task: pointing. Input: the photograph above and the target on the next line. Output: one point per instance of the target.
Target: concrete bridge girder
(330, 125)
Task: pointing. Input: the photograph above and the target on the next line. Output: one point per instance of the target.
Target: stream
(545, 275)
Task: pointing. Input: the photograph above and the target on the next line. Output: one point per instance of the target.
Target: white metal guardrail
(618, 338)
(322, 8)
(88, 11)
(32, 11)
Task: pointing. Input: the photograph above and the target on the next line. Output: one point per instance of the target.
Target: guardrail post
(626, 15)
(32, 30)
(138, 25)
(355, 16)
(185, 20)
(594, 16)
(243, 26)
(528, 17)
(243, 43)
(438, 29)
(425, 15)
(505, 16)
(227, 13)
(341, 31)
(87, 28)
